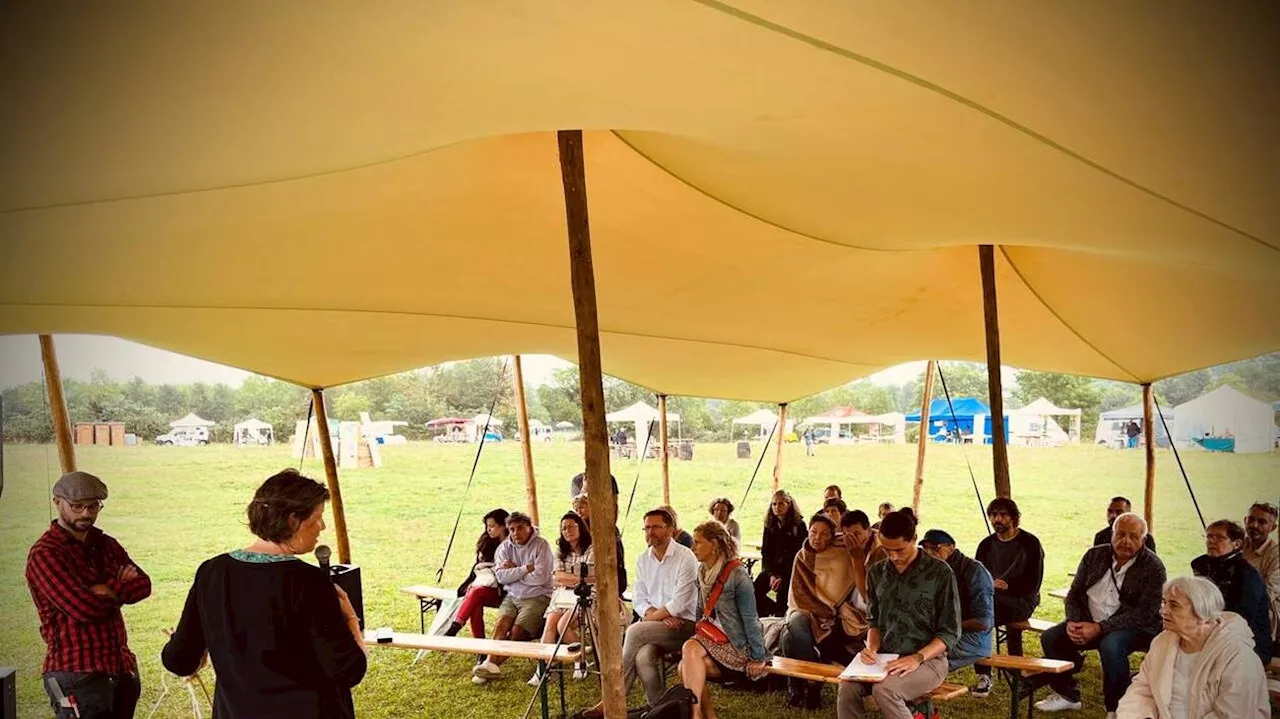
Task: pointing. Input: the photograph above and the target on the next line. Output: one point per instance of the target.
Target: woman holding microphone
(284, 640)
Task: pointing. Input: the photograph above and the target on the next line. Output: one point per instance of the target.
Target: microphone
(322, 555)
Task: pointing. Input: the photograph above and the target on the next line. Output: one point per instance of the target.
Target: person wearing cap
(79, 579)
(977, 600)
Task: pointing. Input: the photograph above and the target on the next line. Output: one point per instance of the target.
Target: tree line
(464, 389)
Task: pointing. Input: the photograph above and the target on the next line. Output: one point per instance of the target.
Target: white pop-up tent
(1035, 424)
(640, 415)
(763, 420)
(1110, 430)
(1226, 413)
(191, 420)
(253, 432)
(476, 426)
(841, 417)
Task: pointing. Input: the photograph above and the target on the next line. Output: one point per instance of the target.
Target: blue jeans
(798, 643)
(1133, 442)
(1113, 648)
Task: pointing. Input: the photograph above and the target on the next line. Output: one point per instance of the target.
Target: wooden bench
(1273, 688)
(429, 598)
(544, 654)
(1033, 625)
(830, 674)
(1059, 593)
(1014, 668)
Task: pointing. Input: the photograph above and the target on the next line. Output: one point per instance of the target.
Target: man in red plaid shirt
(79, 578)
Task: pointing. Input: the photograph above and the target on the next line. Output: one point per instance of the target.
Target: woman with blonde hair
(1202, 665)
(728, 641)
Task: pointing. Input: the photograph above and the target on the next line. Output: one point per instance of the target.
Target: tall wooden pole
(604, 506)
(58, 405)
(526, 443)
(666, 468)
(782, 432)
(331, 476)
(1149, 437)
(999, 452)
(923, 442)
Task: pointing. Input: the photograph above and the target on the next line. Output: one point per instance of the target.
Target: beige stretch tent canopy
(243, 181)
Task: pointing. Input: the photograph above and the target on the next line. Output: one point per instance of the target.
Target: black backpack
(676, 703)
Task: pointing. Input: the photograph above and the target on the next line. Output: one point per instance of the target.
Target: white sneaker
(535, 680)
(580, 672)
(982, 689)
(478, 680)
(1111, 715)
(1057, 703)
(487, 670)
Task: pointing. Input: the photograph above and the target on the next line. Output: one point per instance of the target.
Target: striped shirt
(84, 631)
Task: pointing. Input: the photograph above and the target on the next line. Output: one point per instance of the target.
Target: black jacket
(1139, 595)
(1242, 592)
(778, 548)
(1027, 573)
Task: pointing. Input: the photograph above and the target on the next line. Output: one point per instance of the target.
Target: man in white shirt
(665, 596)
(1261, 551)
(1114, 607)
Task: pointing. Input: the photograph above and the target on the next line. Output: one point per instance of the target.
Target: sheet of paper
(861, 672)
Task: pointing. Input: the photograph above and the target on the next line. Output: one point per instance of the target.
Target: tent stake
(604, 505)
(526, 443)
(1149, 437)
(999, 452)
(58, 405)
(922, 443)
(331, 475)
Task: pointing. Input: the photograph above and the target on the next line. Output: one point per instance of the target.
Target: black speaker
(744, 450)
(347, 576)
(8, 693)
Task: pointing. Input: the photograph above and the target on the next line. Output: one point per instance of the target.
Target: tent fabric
(259, 177)
(1135, 412)
(761, 417)
(251, 424)
(1044, 408)
(1227, 412)
(962, 407)
(191, 420)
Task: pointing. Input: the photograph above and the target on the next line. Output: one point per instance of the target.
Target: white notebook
(859, 671)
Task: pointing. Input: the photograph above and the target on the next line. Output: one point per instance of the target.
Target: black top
(778, 548)
(1243, 592)
(277, 638)
(1104, 537)
(1019, 561)
(684, 538)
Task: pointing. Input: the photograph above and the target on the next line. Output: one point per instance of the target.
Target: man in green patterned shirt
(914, 609)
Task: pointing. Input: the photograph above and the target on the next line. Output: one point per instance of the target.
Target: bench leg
(1015, 685)
(542, 690)
(564, 709)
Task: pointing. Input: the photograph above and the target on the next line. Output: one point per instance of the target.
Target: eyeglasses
(85, 508)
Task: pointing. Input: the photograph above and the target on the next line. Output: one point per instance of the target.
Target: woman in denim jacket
(734, 613)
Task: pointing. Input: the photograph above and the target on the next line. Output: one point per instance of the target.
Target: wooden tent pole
(1149, 437)
(782, 432)
(666, 468)
(923, 442)
(526, 443)
(331, 476)
(999, 452)
(604, 506)
(58, 405)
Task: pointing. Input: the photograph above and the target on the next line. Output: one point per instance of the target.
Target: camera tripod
(581, 612)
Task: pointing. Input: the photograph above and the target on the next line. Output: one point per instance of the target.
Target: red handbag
(706, 628)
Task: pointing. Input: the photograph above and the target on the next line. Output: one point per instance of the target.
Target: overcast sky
(78, 355)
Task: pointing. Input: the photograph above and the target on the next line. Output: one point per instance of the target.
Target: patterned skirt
(726, 655)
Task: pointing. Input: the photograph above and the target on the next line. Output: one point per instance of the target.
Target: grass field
(174, 507)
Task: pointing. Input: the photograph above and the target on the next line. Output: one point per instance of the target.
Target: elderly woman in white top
(1202, 666)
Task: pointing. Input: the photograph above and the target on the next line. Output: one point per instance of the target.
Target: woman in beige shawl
(823, 621)
(1202, 665)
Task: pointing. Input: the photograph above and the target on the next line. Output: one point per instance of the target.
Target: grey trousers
(892, 694)
(642, 651)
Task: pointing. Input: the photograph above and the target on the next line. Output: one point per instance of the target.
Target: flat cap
(937, 536)
(79, 487)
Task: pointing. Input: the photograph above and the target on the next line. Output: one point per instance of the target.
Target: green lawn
(174, 507)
